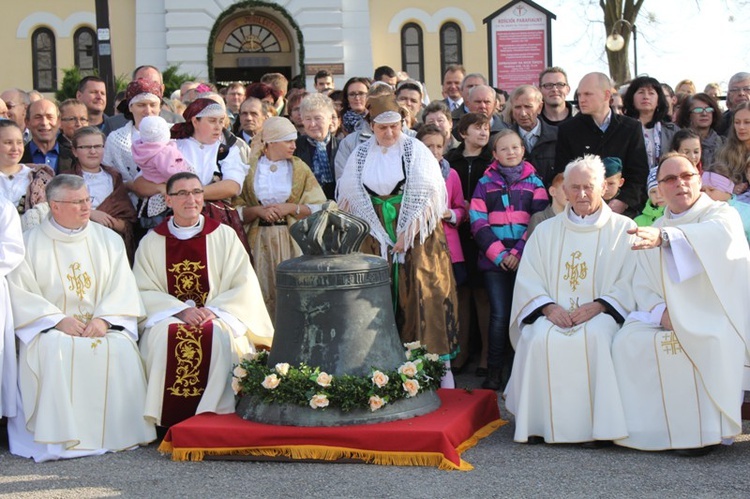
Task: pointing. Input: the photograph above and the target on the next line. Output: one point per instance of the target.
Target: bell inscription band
(334, 310)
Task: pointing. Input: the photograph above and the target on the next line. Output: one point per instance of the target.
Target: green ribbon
(390, 214)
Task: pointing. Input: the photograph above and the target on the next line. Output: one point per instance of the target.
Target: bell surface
(336, 312)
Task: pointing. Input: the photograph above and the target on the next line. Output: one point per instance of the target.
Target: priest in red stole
(204, 305)
(680, 359)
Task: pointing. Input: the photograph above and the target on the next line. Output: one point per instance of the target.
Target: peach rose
(271, 381)
(408, 369)
(239, 372)
(380, 379)
(236, 388)
(324, 379)
(411, 387)
(376, 403)
(282, 369)
(318, 401)
(432, 357)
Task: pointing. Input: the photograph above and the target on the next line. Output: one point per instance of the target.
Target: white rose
(408, 369)
(324, 379)
(271, 381)
(318, 401)
(282, 369)
(411, 387)
(250, 356)
(236, 388)
(239, 372)
(413, 345)
(376, 403)
(380, 379)
(432, 357)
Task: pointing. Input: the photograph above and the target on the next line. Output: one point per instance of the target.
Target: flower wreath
(305, 385)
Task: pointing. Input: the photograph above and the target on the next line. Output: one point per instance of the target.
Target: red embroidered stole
(188, 347)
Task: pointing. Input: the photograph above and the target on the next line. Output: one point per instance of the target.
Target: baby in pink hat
(155, 153)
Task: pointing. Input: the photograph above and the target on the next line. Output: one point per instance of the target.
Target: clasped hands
(73, 327)
(195, 316)
(274, 212)
(561, 318)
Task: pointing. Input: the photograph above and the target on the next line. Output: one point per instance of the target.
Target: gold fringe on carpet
(329, 453)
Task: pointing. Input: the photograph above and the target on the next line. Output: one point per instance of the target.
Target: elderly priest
(571, 294)
(679, 359)
(82, 386)
(204, 304)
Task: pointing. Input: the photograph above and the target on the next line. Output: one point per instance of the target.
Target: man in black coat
(597, 130)
(539, 138)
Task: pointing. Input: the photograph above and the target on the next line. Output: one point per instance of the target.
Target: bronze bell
(334, 310)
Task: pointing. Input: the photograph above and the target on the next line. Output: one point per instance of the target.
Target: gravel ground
(502, 468)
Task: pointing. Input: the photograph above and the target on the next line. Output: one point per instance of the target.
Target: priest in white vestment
(571, 294)
(680, 358)
(204, 305)
(11, 255)
(81, 382)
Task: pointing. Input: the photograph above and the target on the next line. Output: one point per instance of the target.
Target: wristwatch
(664, 238)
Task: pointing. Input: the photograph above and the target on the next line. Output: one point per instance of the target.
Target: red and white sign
(519, 48)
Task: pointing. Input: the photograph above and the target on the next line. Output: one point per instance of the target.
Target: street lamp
(615, 41)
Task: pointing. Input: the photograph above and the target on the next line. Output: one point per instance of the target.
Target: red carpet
(435, 439)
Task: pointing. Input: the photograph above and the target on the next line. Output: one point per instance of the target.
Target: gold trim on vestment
(188, 353)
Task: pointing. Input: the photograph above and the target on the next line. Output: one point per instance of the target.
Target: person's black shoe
(481, 372)
(597, 444)
(697, 452)
(493, 380)
(534, 440)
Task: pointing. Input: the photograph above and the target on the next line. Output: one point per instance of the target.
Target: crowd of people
(139, 250)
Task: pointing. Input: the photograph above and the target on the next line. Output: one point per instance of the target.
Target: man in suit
(452, 80)
(43, 121)
(470, 81)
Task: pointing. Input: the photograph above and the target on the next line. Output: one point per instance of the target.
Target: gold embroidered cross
(670, 344)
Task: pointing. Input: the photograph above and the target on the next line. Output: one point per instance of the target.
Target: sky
(702, 40)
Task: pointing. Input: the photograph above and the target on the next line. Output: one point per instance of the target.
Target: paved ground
(502, 468)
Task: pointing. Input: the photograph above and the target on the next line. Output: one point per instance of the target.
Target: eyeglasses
(736, 90)
(71, 119)
(549, 86)
(672, 180)
(79, 202)
(357, 95)
(184, 194)
(701, 110)
(95, 147)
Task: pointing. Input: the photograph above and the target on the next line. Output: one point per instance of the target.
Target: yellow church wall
(63, 18)
(387, 17)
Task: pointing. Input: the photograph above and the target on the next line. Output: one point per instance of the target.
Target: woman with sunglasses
(701, 113)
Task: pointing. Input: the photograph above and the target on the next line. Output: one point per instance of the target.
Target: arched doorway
(251, 39)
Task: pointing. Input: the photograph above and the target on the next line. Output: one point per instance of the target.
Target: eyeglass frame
(183, 194)
(672, 180)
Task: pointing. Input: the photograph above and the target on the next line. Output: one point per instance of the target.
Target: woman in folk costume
(278, 190)
(393, 182)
